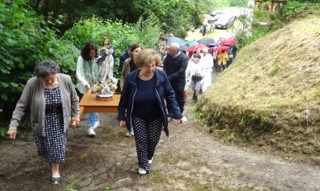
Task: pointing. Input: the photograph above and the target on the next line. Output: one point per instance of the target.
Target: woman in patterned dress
(54, 105)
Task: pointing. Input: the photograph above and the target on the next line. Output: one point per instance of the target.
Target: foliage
(176, 16)
(96, 29)
(238, 3)
(144, 32)
(173, 14)
(207, 6)
(264, 22)
(148, 31)
(26, 40)
(292, 9)
(70, 188)
(2, 132)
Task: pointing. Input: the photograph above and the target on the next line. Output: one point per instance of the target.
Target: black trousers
(147, 135)
(179, 93)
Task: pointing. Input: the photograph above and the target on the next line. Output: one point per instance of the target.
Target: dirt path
(190, 159)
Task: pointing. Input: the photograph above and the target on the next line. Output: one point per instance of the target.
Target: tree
(25, 40)
(238, 3)
(175, 16)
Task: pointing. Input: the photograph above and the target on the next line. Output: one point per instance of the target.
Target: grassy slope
(270, 96)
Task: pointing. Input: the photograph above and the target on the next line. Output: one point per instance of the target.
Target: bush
(292, 10)
(144, 32)
(264, 23)
(25, 40)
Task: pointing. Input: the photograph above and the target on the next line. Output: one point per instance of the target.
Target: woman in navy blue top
(142, 105)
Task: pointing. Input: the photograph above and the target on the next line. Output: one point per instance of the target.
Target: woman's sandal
(55, 180)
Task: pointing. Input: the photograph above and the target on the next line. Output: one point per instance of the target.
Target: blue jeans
(93, 117)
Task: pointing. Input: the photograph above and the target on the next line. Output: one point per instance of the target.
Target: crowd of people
(149, 97)
(153, 92)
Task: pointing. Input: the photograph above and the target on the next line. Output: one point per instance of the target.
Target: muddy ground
(191, 159)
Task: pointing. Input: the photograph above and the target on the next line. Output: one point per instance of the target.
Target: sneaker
(142, 171)
(91, 132)
(150, 161)
(129, 134)
(96, 125)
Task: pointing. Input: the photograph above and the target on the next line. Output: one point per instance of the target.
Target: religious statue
(106, 90)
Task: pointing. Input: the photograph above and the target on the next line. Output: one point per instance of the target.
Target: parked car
(214, 18)
(224, 21)
(217, 12)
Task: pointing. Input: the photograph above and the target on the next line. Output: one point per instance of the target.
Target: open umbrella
(173, 39)
(213, 44)
(206, 41)
(194, 47)
(220, 48)
(188, 44)
(228, 42)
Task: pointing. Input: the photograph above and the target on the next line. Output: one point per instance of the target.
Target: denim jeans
(93, 117)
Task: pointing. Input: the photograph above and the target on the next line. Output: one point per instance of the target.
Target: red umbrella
(228, 42)
(194, 47)
(220, 48)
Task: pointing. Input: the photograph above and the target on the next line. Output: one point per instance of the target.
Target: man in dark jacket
(125, 55)
(175, 65)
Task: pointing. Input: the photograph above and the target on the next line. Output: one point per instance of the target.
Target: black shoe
(55, 180)
(194, 97)
(195, 100)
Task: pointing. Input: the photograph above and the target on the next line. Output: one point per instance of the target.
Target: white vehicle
(217, 12)
(224, 21)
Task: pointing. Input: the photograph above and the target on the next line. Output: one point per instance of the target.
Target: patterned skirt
(53, 146)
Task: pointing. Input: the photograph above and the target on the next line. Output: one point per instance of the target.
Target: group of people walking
(199, 72)
(149, 96)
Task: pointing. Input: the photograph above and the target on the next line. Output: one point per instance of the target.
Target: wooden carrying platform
(89, 104)
(101, 98)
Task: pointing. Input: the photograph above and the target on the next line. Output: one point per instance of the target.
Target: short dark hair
(45, 68)
(86, 50)
(197, 56)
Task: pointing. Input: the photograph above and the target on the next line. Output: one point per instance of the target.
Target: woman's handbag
(196, 78)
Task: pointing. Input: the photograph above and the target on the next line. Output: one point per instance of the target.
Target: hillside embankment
(191, 159)
(269, 97)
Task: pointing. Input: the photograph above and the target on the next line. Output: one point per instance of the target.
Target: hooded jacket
(163, 91)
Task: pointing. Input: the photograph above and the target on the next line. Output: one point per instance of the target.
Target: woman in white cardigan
(194, 74)
(88, 74)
